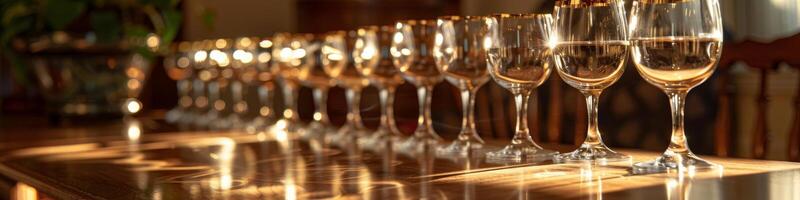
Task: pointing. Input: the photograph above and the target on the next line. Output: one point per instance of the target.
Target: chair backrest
(764, 57)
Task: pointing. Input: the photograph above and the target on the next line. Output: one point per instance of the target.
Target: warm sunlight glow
(265, 44)
(132, 106)
(200, 56)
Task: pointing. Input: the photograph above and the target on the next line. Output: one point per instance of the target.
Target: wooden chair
(764, 57)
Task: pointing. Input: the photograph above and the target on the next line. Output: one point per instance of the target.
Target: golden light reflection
(264, 57)
(247, 57)
(553, 41)
(183, 62)
(24, 191)
(219, 105)
(369, 51)
(133, 84)
(265, 44)
(224, 157)
(200, 56)
(398, 37)
(679, 186)
(47, 150)
(153, 41)
(364, 182)
(132, 106)
(134, 72)
(245, 42)
(221, 43)
(221, 58)
(134, 131)
(487, 43)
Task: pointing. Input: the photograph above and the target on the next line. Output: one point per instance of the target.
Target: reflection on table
(271, 165)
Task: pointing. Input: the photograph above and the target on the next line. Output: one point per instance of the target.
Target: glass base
(377, 141)
(174, 115)
(317, 129)
(204, 121)
(470, 147)
(346, 135)
(673, 161)
(188, 118)
(415, 145)
(221, 123)
(286, 129)
(516, 153)
(596, 154)
(258, 124)
(235, 122)
(383, 145)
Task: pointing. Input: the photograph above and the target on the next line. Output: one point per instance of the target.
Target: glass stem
(353, 97)
(184, 92)
(678, 142)
(238, 91)
(199, 93)
(265, 99)
(521, 131)
(593, 132)
(290, 102)
(321, 102)
(425, 127)
(387, 113)
(214, 97)
(468, 116)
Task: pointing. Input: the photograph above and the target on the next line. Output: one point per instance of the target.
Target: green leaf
(18, 70)
(17, 26)
(172, 23)
(161, 4)
(106, 25)
(14, 11)
(208, 18)
(60, 13)
(144, 52)
(136, 31)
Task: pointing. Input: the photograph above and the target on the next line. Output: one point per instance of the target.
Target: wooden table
(140, 161)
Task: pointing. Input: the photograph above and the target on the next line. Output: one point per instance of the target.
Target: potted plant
(88, 57)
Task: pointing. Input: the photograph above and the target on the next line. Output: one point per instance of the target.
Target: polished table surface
(146, 159)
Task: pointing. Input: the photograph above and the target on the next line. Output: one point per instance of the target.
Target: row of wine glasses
(674, 45)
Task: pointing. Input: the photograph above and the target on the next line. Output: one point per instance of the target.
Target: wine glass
(242, 63)
(519, 57)
(461, 58)
(372, 59)
(591, 46)
(206, 74)
(412, 48)
(178, 67)
(313, 75)
(337, 58)
(261, 77)
(219, 93)
(676, 46)
(198, 57)
(289, 56)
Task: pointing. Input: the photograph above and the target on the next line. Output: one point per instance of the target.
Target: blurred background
(748, 109)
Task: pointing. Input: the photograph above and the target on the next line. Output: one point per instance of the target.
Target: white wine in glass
(412, 53)
(676, 46)
(338, 61)
(288, 58)
(591, 47)
(520, 60)
(314, 76)
(462, 58)
(372, 59)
